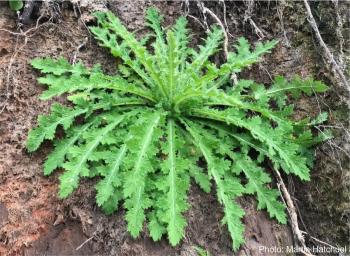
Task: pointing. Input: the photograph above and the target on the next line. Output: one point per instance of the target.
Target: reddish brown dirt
(61, 240)
(33, 221)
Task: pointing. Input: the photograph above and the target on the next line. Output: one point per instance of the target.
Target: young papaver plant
(170, 116)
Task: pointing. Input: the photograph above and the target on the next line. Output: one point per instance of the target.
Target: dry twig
(338, 31)
(321, 242)
(78, 48)
(216, 18)
(292, 214)
(336, 70)
(280, 9)
(9, 69)
(206, 10)
(26, 34)
(248, 17)
(196, 19)
(225, 17)
(86, 241)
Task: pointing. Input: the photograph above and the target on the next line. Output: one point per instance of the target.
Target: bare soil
(33, 221)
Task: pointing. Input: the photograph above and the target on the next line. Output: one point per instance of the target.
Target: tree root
(248, 17)
(26, 35)
(205, 11)
(292, 215)
(218, 21)
(327, 55)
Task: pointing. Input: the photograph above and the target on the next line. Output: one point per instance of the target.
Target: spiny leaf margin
(170, 115)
